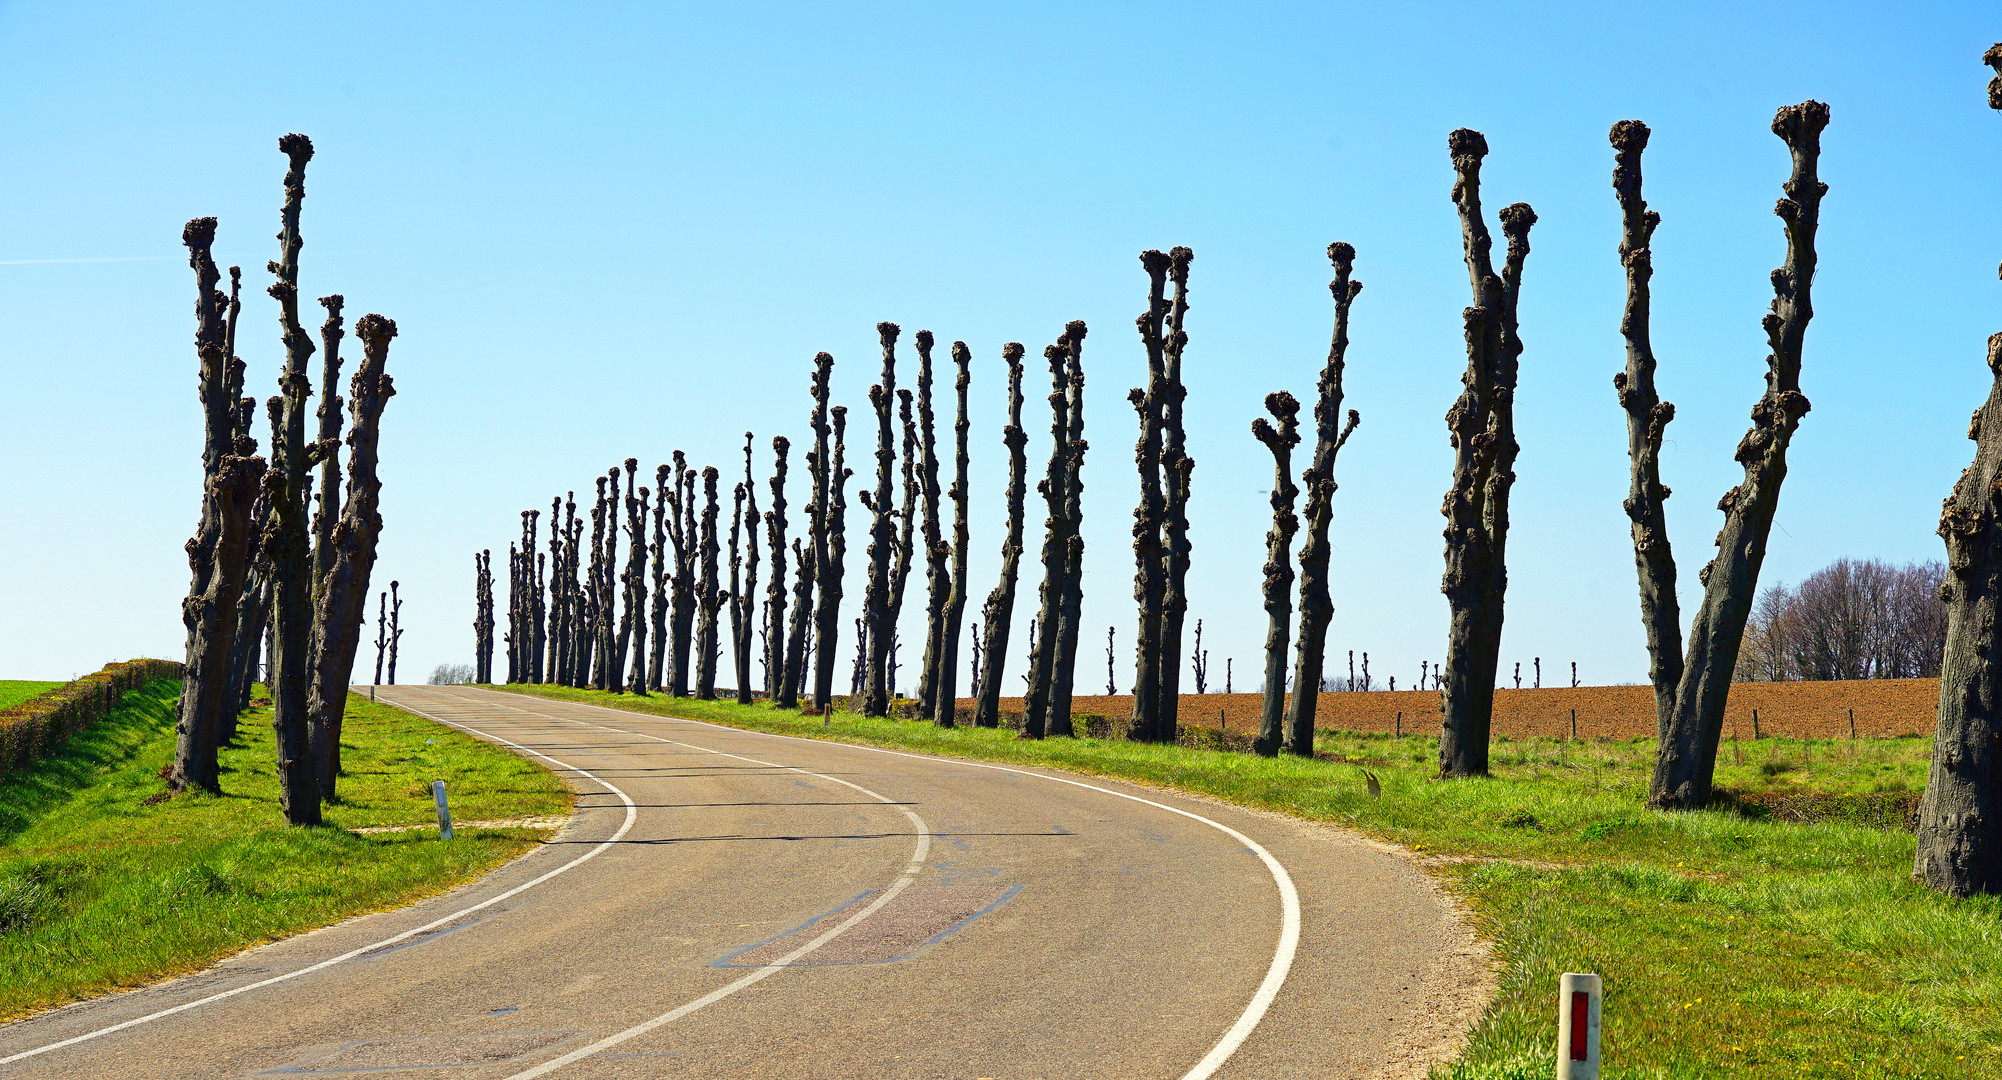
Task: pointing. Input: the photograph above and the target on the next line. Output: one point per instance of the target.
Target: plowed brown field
(1883, 708)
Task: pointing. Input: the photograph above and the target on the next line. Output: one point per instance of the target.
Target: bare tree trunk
(744, 601)
(1960, 818)
(1043, 657)
(799, 634)
(382, 627)
(778, 690)
(906, 552)
(945, 683)
(938, 568)
(219, 553)
(827, 572)
(708, 597)
(253, 614)
(1330, 435)
(483, 617)
(291, 548)
(326, 746)
(1686, 761)
(999, 610)
(342, 601)
(682, 535)
(1482, 428)
(882, 536)
(1278, 563)
(1177, 469)
(395, 629)
(608, 673)
(636, 582)
(635, 541)
(1072, 598)
(1156, 652)
(663, 483)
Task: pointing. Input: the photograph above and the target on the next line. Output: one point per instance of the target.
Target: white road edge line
(918, 856)
(632, 815)
(1254, 1011)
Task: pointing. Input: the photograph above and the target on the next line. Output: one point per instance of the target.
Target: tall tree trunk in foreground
(1278, 563)
(1960, 818)
(777, 656)
(1686, 761)
(1317, 608)
(827, 572)
(906, 552)
(945, 681)
(1157, 660)
(708, 597)
(1177, 469)
(938, 568)
(219, 553)
(292, 458)
(999, 610)
(1072, 598)
(1482, 429)
(1043, 658)
(876, 616)
(342, 601)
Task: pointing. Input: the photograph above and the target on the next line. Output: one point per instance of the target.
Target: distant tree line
(1853, 619)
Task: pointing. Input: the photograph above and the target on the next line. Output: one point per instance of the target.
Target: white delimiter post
(445, 830)
(1578, 1027)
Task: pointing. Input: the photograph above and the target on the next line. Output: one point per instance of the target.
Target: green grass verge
(15, 691)
(1731, 946)
(99, 890)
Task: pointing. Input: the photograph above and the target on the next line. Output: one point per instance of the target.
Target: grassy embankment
(100, 891)
(15, 691)
(1731, 945)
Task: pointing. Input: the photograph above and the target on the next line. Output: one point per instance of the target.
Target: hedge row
(42, 724)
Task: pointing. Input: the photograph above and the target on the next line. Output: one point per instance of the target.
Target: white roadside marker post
(445, 821)
(1578, 1027)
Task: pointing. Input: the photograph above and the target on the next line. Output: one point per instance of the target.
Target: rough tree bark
(906, 552)
(1482, 428)
(292, 458)
(341, 603)
(636, 587)
(744, 593)
(1177, 470)
(663, 481)
(328, 501)
(1960, 817)
(938, 567)
(708, 598)
(1278, 563)
(219, 553)
(1686, 761)
(945, 680)
(1330, 435)
(876, 618)
(1072, 606)
(999, 610)
(1156, 655)
(827, 571)
(778, 690)
(1043, 657)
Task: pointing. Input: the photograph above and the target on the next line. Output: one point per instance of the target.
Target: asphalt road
(733, 904)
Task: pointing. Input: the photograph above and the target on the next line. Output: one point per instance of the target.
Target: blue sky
(626, 230)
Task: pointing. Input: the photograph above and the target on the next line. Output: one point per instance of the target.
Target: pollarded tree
(709, 595)
(999, 610)
(1068, 613)
(1280, 440)
(1691, 720)
(938, 568)
(341, 603)
(1043, 655)
(827, 571)
(945, 680)
(663, 480)
(483, 617)
(876, 617)
(290, 548)
(219, 553)
(636, 588)
(1163, 487)
(1317, 608)
(683, 535)
(1481, 425)
(630, 578)
(395, 629)
(1960, 818)
(906, 553)
(778, 690)
(744, 591)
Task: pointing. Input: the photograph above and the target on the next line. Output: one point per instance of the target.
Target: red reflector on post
(1581, 1017)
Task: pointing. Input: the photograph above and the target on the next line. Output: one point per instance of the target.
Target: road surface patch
(443, 1052)
(921, 915)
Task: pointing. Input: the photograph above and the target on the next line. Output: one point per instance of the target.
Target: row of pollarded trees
(260, 563)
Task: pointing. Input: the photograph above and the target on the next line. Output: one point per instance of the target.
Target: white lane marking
(1289, 897)
(632, 815)
(918, 856)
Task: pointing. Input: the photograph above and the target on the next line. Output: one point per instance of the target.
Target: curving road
(741, 905)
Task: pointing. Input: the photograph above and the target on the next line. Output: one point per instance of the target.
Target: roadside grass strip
(101, 891)
(1732, 943)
